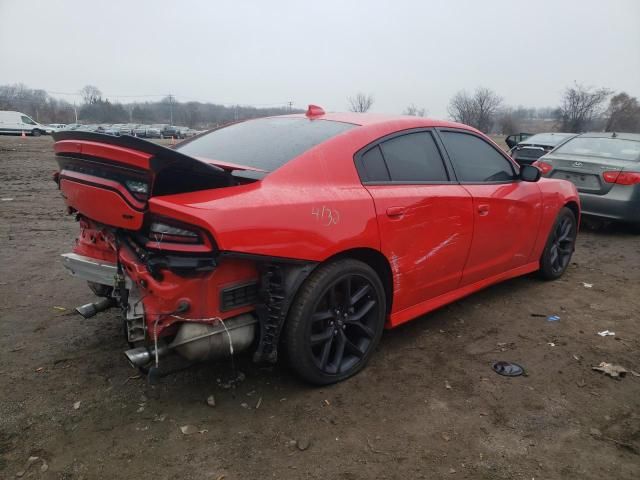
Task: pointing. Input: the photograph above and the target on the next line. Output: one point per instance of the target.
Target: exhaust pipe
(90, 309)
(198, 342)
(141, 356)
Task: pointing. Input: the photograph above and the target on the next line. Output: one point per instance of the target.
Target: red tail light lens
(161, 232)
(544, 167)
(165, 234)
(622, 178)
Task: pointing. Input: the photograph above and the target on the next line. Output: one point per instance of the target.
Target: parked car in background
(532, 148)
(171, 131)
(513, 140)
(153, 132)
(56, 127)
(140, 131)
(309, 232)
(605, 167)
(17, 122)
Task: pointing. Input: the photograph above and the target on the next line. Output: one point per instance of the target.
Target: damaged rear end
(177, 293)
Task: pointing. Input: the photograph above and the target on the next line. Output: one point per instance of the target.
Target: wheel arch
(378, 262)
(573, 206)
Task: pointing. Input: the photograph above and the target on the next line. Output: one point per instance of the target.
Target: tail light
(544, 167)
(166, 234)
(622, 178)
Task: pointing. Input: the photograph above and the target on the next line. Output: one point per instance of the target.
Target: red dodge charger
(308, 232)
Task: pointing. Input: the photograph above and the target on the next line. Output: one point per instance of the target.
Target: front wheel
(35, 133)
(335, 322)
(560, 246)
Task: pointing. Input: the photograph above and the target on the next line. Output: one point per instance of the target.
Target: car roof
(621, 136)
(366, 119)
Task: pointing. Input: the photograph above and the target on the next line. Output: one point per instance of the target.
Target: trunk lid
(110, 179)
(586, 172)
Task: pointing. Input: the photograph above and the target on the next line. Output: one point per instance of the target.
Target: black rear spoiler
(162, 158)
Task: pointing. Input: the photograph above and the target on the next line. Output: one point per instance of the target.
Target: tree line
(95, 108)
(581, 109)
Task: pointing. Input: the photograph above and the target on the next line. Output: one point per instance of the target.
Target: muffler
(198, 341)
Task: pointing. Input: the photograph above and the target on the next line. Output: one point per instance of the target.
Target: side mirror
(529, 173)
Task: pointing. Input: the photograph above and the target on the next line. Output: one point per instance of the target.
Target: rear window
(602, 147)
(265, 143)
(551, 139)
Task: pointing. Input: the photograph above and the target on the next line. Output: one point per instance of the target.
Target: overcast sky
(272, 52)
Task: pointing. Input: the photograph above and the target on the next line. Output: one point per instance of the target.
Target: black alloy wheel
(560, 246)
(335, 322)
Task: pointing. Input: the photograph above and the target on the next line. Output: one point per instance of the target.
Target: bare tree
(360, 103)
(90, 94)
(580, 105)
(508, 121)
(478, 110)
(623, 114)
(414, 111)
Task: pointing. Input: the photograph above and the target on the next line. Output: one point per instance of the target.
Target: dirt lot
(428, 405)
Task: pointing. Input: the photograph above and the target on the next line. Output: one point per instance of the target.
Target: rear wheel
(560, 246)
(35, 132)
(335, 322)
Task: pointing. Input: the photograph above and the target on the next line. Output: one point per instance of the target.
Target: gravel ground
(428, 405)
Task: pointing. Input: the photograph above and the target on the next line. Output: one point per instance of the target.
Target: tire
(560, 246)
(35, 133)
(339, 341)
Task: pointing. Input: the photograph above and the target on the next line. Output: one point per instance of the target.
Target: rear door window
(475, 160)
(414, 157)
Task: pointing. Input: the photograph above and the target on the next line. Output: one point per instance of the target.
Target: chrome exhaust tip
(91, 309)
(138, 357)
(141, 356)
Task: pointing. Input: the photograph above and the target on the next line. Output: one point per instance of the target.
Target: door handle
(395, 211)
(483, 209)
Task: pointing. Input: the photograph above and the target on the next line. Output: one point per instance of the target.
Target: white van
(17, 122)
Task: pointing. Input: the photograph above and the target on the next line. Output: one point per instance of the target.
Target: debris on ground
(160, 418)
(30, 461)
(553, 318)
(258, 403)
(244, 405)
(189, 429)
(581, 383)
(445, 436)
(607, 333)
(303, 444)
(76, 405)
(587, 285)
(614, 371)
(551, 344)
(508, 369)
(7, 199)
(211, 401)
(447, 385)
(60, 309)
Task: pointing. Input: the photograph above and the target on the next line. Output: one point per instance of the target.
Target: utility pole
(75, 111)
(170, 109)
(290, 103)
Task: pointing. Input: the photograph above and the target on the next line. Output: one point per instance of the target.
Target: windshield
(602, 147)
(550, 139)
(265, 143)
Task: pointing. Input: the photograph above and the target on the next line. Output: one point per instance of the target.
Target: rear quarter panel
(555, 195)
(311, 208)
